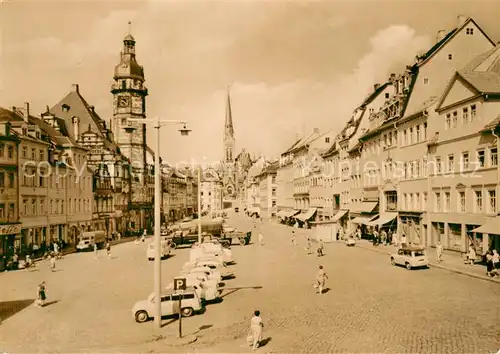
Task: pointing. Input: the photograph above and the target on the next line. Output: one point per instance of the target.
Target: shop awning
(364, 207)
(362, 220)
(383, 219)
(340, 214)
(283, 213)
(491, 226)
(292, 213)
(306, 215)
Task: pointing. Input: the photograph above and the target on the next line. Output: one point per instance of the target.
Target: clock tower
(129, 101)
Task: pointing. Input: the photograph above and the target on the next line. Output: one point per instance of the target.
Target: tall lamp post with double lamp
(157, 124)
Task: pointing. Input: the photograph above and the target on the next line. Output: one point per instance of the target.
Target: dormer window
(450, 56)
(426, 80)
(65, 107)
(469, 31)
(327, 139)
(386, 95)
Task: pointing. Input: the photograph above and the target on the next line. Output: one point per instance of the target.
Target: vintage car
(190, 303)
(151, 250)
(350, 242)
(207, 290)
(410, 257)
(213, 264)
(210, 273)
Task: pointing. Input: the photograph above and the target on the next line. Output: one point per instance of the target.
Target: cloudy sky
(291, 66)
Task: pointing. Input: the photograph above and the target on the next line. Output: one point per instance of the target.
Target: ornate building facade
(129, 104)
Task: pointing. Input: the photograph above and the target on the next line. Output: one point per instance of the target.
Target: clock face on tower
(123, 101)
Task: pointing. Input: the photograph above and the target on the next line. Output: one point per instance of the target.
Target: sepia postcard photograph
(249, 176)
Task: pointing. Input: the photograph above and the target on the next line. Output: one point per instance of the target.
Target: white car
(206, 289)
(212, 249)
(212, 264)
(190, 303)
(350, 242)
(410, 257)
(211, 274)
(165, 250)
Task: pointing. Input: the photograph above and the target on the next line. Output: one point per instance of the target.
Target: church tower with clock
(129, 101)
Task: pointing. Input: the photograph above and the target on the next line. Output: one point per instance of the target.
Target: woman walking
(41, 294)
(52, 262)
(256, 326)
(321, 279)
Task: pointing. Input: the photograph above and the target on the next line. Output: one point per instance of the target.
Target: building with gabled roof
(53, 182)
(465, 147)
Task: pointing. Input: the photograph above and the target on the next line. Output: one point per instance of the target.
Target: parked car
(350, 242)
(151, 250)
(206, 289)
(144, 310)
(210, 273)
(213, 264)
(410, 257)
(87, 240)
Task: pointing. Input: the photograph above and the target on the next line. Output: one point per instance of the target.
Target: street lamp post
(199, 205)
(158, 123)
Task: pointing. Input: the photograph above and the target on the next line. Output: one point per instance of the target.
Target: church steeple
(228, 127)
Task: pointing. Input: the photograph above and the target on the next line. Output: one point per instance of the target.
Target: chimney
(461, 20)
(376, 87)
(75, 88)
(316, 130)
(393, 77)
(76, 127)
(440, 35)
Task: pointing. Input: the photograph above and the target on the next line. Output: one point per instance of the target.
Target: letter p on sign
(180, 284)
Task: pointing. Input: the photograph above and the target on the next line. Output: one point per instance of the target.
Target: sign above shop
(10, 229)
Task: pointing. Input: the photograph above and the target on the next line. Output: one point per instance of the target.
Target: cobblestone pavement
(370, 306)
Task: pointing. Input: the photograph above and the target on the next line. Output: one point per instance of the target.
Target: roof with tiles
(56, 136)
(74, 105)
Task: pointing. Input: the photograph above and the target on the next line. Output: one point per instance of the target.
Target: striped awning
(340, 214)
(306, 215)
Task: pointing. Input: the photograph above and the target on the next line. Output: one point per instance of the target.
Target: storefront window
(455, 235)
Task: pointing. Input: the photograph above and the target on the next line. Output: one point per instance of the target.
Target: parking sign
(180, 284)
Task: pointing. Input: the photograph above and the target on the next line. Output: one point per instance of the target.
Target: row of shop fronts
(455, 232)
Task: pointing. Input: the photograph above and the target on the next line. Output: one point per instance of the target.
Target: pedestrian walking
(96, 250)
(320, 248)
(489, 264)
(320, 280)
(439, 252)
(375, 237)
(472, 255)
(294, 241)
(496, 260)
(52, 261)
(383, 237)
(308, 246)
(261, 239)
(56, 248)
(41, 296)
(389, 236)
(358, 233)
(256, 325)
(143, 238)
(108, 249)
(403, 241)
(15, 261)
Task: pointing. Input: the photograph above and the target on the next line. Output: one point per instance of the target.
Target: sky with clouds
(291, 66)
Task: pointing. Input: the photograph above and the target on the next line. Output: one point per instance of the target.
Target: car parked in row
(410, 257)
(191, 303)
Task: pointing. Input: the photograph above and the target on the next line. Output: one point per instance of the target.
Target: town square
(234, 177)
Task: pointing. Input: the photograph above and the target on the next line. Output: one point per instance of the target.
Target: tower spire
(228, 127)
